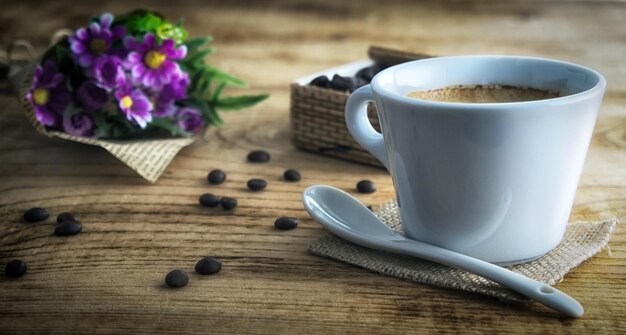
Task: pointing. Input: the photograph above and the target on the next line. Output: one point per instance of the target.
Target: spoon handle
(531, 288)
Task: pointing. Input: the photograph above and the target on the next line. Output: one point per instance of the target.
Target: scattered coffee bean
(65, 216)
(370, 208)
(68, 228)
(216, 177)
(208, 266)
(256, 184)
(341, 83)
(366, 186)
(35, 214)
(228, 203)
(285, 223)
(258, 156)
(291, 175)
(209, 200)
(358, 82)
(15, 268)
(176, 278)
(321, 81)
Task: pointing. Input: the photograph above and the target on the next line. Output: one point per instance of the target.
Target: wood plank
(109, 279)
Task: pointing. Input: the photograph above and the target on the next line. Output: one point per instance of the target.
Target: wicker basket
(317, 114)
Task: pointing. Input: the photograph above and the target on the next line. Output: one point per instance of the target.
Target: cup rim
(596, 89)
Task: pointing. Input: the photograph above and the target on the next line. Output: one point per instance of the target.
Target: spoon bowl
(343, 215)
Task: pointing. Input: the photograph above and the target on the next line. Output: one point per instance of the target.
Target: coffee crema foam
(484, 94)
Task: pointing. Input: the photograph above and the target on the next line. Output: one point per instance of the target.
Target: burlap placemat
(581, 241)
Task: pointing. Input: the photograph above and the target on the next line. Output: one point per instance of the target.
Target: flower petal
(118, 31)
(105, 20)
(85, 60)
(138, 71)
(178, 53)
(94, 29)
(149, 40)
(82, 34)
(78, 47)
(56, 80)
(130, 42)
(167, 45)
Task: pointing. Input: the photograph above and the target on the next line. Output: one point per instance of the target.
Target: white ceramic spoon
(348, 218)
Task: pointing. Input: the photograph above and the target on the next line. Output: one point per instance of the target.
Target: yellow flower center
(98, 46)
(127, 101)
(41, 96)
(154, 59)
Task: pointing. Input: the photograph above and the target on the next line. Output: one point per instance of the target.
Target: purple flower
(89, 43)
(151, 64)
(133, 102)
(91, 96)
(188, 119)
(105, 70)
(48, 94)
(78, 124)
(175, 90)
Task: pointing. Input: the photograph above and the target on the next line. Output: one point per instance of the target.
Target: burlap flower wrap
(147, 157)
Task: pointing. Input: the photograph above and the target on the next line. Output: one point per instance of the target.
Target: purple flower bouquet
(128, 80)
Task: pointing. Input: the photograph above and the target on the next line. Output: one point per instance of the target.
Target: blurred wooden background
(109, 279)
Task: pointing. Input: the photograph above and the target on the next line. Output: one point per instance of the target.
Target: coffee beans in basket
(176, 278)
(366, 186)
(257, 184)
(35, 214)
(15, 268)
(346, 83)
(208, 266)
(216, 177)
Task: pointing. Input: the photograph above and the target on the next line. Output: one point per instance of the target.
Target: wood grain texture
(109, 279)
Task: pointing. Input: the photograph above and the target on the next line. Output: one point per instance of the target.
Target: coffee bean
(366, 186)
(15, 268)
(35, 214)
(367, 73)
(209, 200)
(176, 278)
(228, 203)
(68, 228)
(343, 83)
(65, 216)
(370, 208)
(216, 177)
(256, 184)
(208, 266)
(358, 82)
(321, 81)
(291, 175)
(285, 223)
(258, 156)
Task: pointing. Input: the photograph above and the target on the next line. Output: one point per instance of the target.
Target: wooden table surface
(109, 279)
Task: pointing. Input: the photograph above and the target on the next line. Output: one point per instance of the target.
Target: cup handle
(360, 127)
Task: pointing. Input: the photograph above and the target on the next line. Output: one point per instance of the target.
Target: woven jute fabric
(582, 240)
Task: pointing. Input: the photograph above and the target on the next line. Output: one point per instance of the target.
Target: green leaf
(238, 102)
(143, 22)
(196, 42)
(169, 125)
(197, 56)
(218, 91)
(223, 76)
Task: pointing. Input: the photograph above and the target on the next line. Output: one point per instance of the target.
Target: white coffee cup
(495, 181)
